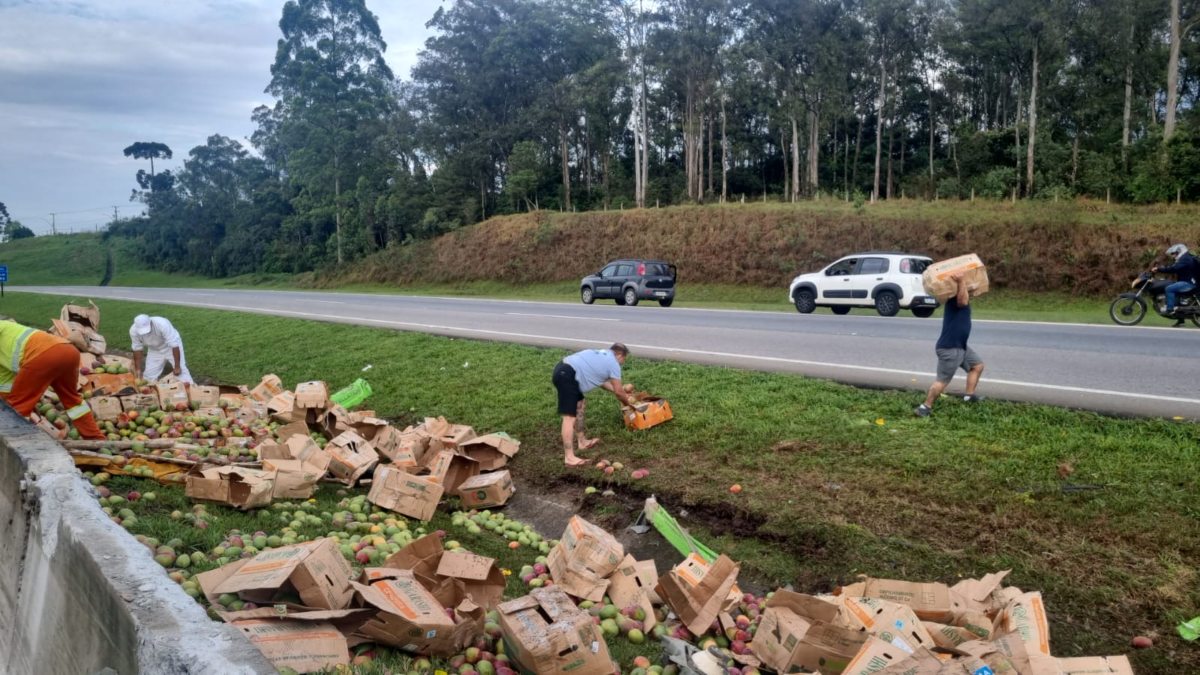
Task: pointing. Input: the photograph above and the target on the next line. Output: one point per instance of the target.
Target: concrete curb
(77, 593)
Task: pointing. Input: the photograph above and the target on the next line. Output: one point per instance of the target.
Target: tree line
(517, 105)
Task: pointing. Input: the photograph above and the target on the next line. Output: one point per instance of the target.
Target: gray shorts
(950, 360)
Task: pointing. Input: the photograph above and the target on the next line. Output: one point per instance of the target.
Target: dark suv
(628, 281)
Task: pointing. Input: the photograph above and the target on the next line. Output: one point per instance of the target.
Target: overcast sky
(82, 79)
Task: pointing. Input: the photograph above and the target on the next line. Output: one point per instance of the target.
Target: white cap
(141, 324)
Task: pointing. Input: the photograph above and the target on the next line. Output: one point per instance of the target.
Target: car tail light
(641, 269)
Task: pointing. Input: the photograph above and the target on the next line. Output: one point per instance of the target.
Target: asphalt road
(1111, 369)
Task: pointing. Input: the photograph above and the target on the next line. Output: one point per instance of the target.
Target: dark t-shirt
(956, 326)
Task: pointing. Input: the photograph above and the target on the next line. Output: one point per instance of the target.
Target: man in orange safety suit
(32, 361)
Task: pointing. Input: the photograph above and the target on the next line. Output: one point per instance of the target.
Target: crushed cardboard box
(452, 469)
(930, 601)
(269, 387)
(479, 576)
(303, 577)
(411, 618)
(397, 490)
(304, 646)
(584, 557)
(486, 490)
(799, 633)
(891, 622)
(546, 633)
(402, 448)
(491, 451)
(241, 487)
(698, 592)
(352, 457)
(632, 585)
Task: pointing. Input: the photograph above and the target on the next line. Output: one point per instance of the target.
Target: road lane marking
(330, 302)
(561, 316)
(675, 350)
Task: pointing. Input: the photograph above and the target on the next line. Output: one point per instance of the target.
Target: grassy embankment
(1098, 513)
(1050, 261)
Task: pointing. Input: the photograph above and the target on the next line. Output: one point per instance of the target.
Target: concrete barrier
(77, 593)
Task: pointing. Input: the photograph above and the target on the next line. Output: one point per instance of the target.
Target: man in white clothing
(161, 345)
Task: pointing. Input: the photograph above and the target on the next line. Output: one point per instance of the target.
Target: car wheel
(667, 302)
(840, 309)
(806, 301)
(886, 303)
(631, 298)
(923, 312)
(587, 295)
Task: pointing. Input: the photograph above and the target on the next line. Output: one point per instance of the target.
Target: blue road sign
(3, 274)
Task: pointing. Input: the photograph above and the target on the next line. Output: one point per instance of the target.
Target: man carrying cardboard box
(952, 350)
(575, 376)
(157, 342)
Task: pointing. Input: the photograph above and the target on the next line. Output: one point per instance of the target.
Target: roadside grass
(1098, 513)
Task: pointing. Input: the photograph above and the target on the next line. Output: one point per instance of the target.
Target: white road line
(561, 316)
(670, 350)
(330, 302)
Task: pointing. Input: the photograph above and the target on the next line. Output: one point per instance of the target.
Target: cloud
(82, 79)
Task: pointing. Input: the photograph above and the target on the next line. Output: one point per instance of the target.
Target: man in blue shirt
(952, 350)
(576, 375)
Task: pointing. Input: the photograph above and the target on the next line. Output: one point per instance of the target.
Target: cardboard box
(1004, 655)
(409, 617)
(452, 469)
(891, 622)
(922, 662)
(545, 633)
(400, 448)
(172, 395)
(486, 490)
(88, 316)
(105, 407)
(302, 577)
(303, 646)
(930, 601)
(240, 487)
(294, 479)
(250, 411)
(204, 396)
(211, 411)
(479, 577)
(646, 413)
(312, 396)
(491, 451)
(444, 435)
(281, 408)
(797, 633)
(114, 385)
(584, 558)
(632, 585)
(351, 457)
(1026, 616)
(269, 387)
(938, 281)
(698, 592)
(875, 656)
(1095, 665)
(402, 492)
(139, 401)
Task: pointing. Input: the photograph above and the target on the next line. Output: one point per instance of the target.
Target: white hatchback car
(886, 281)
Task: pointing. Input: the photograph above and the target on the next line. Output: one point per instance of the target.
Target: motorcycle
(1128, 309)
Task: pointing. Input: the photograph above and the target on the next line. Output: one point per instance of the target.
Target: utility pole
(53, 229)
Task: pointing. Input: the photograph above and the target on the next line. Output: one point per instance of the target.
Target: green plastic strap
(353, 395)
(673, 532)
(1190, 630)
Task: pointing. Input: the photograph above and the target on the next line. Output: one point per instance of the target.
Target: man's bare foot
(588, 443)
(573, 461)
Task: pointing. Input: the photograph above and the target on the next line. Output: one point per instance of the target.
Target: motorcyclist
(1187, 274)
